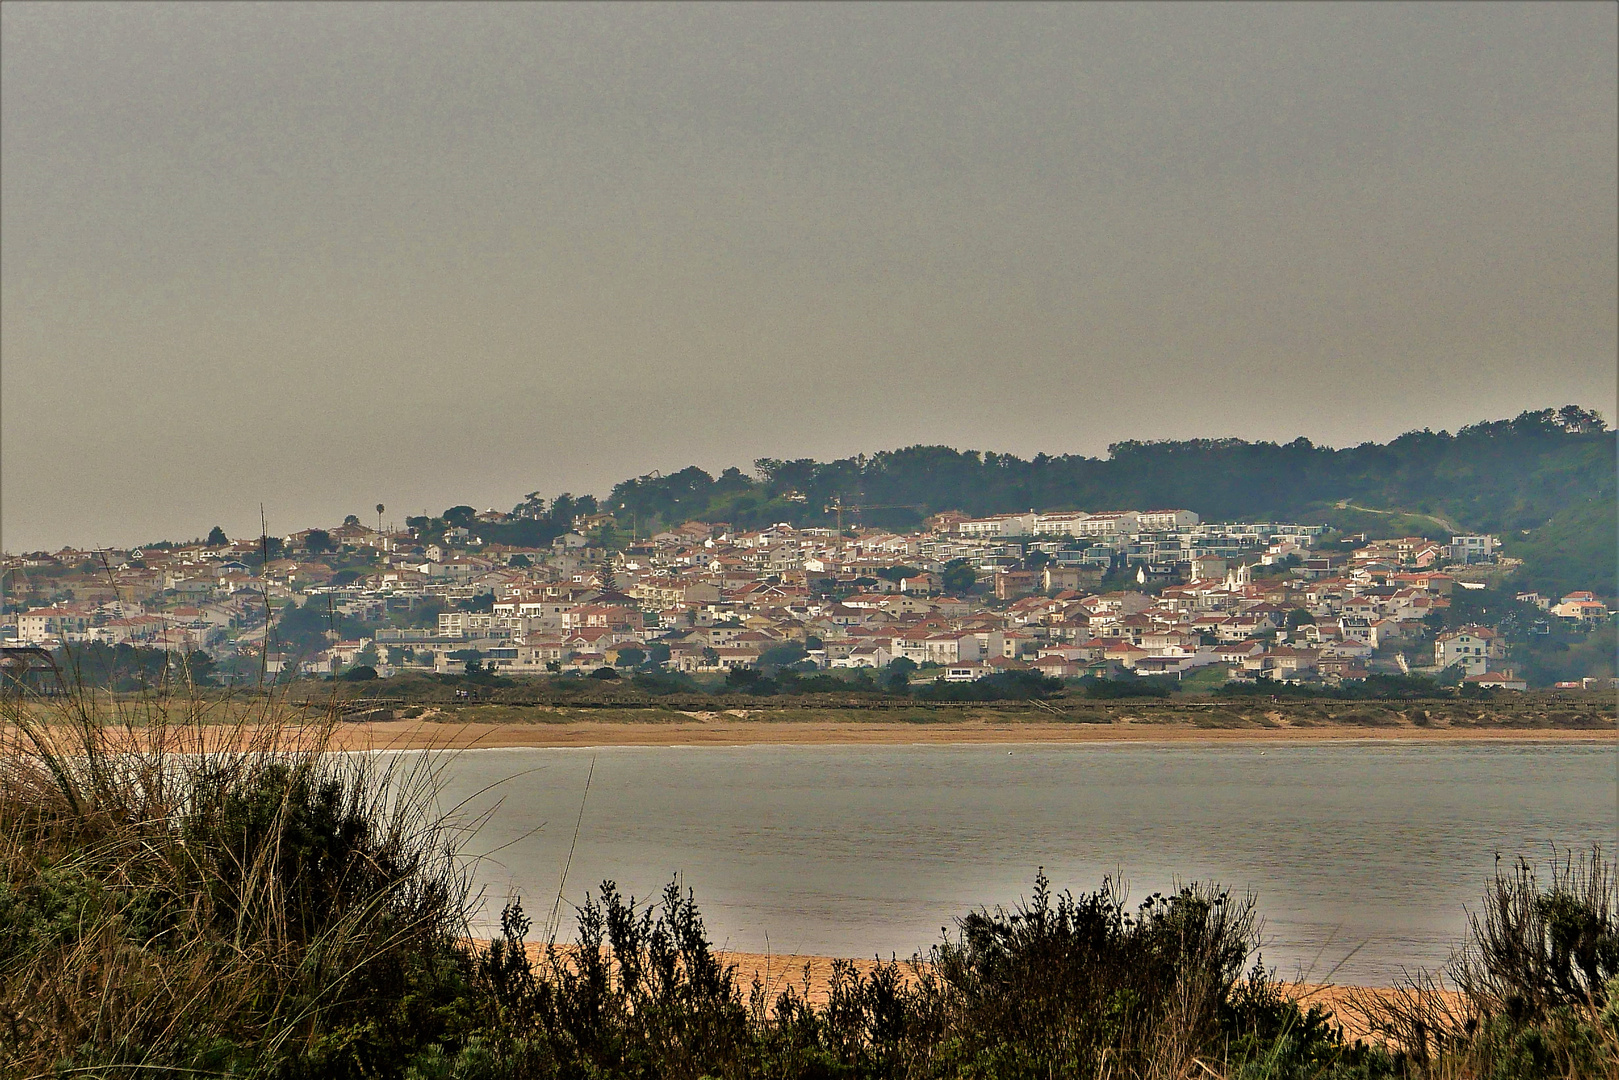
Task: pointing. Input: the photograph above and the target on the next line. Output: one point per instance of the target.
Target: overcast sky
(319, 257)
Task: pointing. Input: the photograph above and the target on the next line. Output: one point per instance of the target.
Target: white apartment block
(1111, 523)
(45, 625)
(1060, 524)
(1003, 525)
(1165, 520)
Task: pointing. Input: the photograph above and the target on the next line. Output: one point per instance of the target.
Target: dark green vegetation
(1003, 686)
(534, 524)
(301, 629)
(1542, 648)
(1372, 688)
(1538, 982)
(654, 694)
(259, 911)
(1544, 481)
(1569, 550)
(125, 667)
(1057, 987)
(269, 909)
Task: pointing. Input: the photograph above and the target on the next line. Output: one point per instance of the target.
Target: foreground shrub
(202, 889)
(181, 894)
(1059, 987)
(1082, 987)
(1534, 992)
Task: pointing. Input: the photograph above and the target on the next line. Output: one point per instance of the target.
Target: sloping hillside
(1544, 481)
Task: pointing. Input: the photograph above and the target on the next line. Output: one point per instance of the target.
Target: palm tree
(380, 509)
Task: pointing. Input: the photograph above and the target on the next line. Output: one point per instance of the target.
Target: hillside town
(1114, 594)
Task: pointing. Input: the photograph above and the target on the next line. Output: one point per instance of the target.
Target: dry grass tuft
(194, 883)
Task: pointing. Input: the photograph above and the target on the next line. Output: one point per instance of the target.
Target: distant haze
(319, 257)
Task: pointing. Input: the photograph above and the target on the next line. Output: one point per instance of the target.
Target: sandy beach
(731, 731)
(811, 977)
(505, 727)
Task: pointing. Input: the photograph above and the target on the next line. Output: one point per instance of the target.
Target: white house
(1471, 646)
(1472, 549)
(863, 656)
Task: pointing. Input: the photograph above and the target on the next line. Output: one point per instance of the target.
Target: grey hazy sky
(324, 256)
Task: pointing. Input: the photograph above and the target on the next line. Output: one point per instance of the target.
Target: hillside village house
(1474, 647)
(63, 622)
(1471, 549)
(1580, 607)
(719, 598)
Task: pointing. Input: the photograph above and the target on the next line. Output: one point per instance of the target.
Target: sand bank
(683, 730)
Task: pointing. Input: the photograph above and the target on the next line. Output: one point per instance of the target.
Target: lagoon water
(1363, 855)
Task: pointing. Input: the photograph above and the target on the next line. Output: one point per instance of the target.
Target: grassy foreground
(224, 896)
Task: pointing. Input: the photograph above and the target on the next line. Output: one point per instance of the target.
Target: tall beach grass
(194, 883)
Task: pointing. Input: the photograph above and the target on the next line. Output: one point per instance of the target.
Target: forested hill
(1544, 481)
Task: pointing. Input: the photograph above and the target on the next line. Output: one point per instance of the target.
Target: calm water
(1363, 855)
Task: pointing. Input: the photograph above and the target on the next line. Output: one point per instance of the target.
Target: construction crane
(839, 506)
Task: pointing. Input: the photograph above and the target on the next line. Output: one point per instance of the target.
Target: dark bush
(1537, 946)
(1537, 978)
(1001, 686)
(662, 682)
(750, 681)
(1113, 689)
(1068, 984)
(780, 656)
(254, 911)
(794, 682)
(1058, 987)
(641, 993)
(1372, 688)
